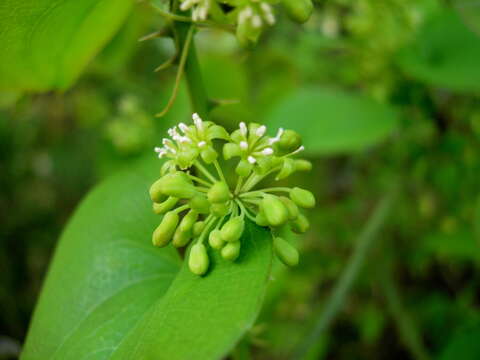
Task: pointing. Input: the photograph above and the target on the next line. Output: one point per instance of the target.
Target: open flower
(200, 205)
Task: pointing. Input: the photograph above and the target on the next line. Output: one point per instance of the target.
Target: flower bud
(244, 168)
(290, 140)
(164, 232)
(175, 184)
(181, 238)
(298, 10)
(265, 164)
(285, 252)
(165, 206)
(156, 192)
(198, 228)
(302, 198)
(288, 168)
(300, 224)
(198, 259)
(219, 193)
(275, 212)
(209, 155)
(219, 209)
(260, 219)
(186, 157)
(231, 150)
(291, 207)
(232, 230)
(215, 239)
(231, 251)
(200, 204)
(188, 221)
(303, 165)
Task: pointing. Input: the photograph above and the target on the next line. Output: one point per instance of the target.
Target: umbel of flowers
(249, 17)
(199, 204)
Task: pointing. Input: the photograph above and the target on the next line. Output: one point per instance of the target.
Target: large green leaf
(47, 43)
(110, 294)
(464, 345)
(332, 121)
(446, 53)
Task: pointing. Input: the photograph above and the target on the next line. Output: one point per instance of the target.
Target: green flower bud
(291, 207)
(298, 10)
(209, 155)
(231, 150)
(231, 251)
(198, 228)
(290, 140)
(181, 238)
(219, 193)
(164, 232)
(303, 165)
(198, 259)
(200, 204)
(244, 168)
(260, 218)
(300, 224)
(188, 221)
(174, 184)
(285, 252)
(167, 167)
(302, 198)
(156, 192)
(165, 206)
(220, 209)
(232, 230)
(215, 239)
(237, 136)
(264, 164)
(275, 212)
(186, 157)
(288, 168)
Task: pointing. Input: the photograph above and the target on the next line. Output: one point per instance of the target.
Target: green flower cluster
(193, 183)
(249, 17)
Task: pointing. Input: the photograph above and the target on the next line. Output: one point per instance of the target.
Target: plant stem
(405, 324)
(343, 286)
(193, 75)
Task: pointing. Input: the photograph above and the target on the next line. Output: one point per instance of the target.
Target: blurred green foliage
(416, 64)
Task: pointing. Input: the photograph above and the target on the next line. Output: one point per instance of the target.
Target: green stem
(344, 285)
(196, 89)
(199, 180)
(205, 172)
(261, 191)
(219, 171)
(405, 324)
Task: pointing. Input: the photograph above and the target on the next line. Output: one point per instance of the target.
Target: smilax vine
(214, 209)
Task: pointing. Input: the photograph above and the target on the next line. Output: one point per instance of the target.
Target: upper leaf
(47, 43)
(446, 53)
(334, 121)
(110, 294)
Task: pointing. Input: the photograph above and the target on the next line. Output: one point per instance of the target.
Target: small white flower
(183, 128)
(243, 128)
(251, 160)
(197, 121)
(201, 144)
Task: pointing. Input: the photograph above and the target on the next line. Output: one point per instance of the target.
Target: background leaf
(106, 279)
(446, 53)
(332, 121)
(46, 43)
(463, 345)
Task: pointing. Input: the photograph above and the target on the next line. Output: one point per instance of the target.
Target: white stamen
(157, 149)
(267, 151)
(202, 144)
(243, 145)
(301, 148)
(183, 128)
(277, 137)
(197, 121)
(184, 139)
(261, 131)
(256, 21)
(251, 160)
(243, 128)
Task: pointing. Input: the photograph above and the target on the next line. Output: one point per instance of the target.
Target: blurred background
(386, 94)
